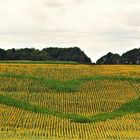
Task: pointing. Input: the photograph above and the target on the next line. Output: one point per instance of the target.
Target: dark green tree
(110, 58)
(57, 54)
(3, 54)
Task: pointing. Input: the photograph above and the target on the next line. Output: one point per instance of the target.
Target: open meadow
(69, 101)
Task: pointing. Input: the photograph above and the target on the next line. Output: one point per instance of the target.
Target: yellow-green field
(63, 101)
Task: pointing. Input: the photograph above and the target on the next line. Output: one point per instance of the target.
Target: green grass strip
(37, 109)
(36, 62)
(129, 107)
(68, 85)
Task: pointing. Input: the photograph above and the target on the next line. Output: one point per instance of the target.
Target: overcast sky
(96, 26)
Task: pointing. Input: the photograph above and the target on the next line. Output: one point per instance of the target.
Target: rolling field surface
(57, 101)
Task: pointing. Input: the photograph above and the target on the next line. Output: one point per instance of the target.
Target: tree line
(129, 57)
(46, 54)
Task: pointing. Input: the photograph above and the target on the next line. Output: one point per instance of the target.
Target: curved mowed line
(129, 107)
(68, 85)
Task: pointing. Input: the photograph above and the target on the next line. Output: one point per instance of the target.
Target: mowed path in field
(77, 95)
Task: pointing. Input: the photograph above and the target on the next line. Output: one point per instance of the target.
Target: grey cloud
(61, 3)
(97, 26)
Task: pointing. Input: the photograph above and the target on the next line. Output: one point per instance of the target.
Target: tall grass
(130, 107)
(68, 85)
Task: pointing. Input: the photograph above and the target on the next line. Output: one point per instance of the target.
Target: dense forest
(46, 54)
(68, 54)
(129, 57)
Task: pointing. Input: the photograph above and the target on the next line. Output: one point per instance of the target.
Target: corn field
(69, 93)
